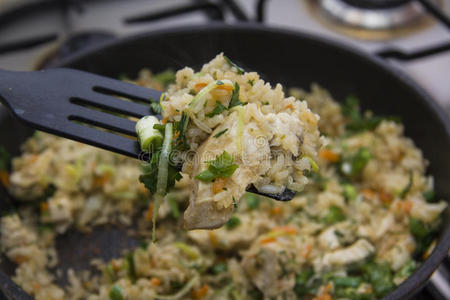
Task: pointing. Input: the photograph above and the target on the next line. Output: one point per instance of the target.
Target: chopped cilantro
(251, 82)
(115, 293)
(334, 215)
(220, 133)
(223, 166)
(429, 196)
(408, 186)
(156, 107)
(232, 223)
(352, 166)
(252, 200)
(240, 70)
(217, 110)
(181, 127)
(424, 235)
(219, 268)
(266, 103)
(235, 97)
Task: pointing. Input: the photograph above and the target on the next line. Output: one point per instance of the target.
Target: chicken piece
(209, 209)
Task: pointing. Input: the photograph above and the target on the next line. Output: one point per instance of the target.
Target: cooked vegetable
(156, 107)
(380, 277)
(252, 200)
(131, 269)
(357, 123)
(313, 164)
(301, 282)
(350, 192)
(218, 109)
(180, 129)
(222, 167)
(187, 249)
(353, 165)
(349, 281)
(197, 103)
(232, 223)
(165, 78)
(219, 268)
(148, 136)
(334, 215)
(182, 291)
(235, 97)
(220, 133)
(429, 196)
(239, 69)
(424, 235)
(406, 270)
(406, 189)
(115, 293)
(173, 206)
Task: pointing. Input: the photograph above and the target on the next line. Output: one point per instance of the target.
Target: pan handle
(11, 290)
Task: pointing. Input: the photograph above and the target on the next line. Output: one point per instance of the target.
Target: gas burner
(373, 19)
(374, 14)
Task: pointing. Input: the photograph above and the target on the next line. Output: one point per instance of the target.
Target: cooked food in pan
(239, 131)
(361, 225)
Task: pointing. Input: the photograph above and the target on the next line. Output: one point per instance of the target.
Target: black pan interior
(292, 59)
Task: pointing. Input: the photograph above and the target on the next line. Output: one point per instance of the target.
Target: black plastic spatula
(77, 105)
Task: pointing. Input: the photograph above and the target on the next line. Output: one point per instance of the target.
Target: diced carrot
(4, 178)
(268, 240)
(385, 197)
(399, 206)
(276, 211)
(155, 281)
(115, 266)
(218, 185)
(329, 155)
(34, 158)
(323, 297)
(177, 134)
(36, 286)
(19, 259)
(199, 86)
(213, 239)
(164, 120)
(289, 106)
(407, 206)
(44, 206)
(149, 213)
(368, 193)
(307, 251)
(225, 87)
(286, 229)
(101, 180)
(201, 292)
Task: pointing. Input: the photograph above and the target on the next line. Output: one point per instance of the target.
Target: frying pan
(287, 57)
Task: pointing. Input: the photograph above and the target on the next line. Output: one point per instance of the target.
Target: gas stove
(413, 35)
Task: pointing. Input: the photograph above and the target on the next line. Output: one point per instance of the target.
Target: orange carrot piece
(276, 211)
(289, 106)
(218, 185)
(164, 120)
(199, 86)
(385, 197)
(155, 281)
(225, 87)
(44, 206)
(307, 251)
(368, 193)
(407, 206)
(213, 239)
(4, 178)
(201, 292)
(268, 240)
(286, 229)
(149, 213)
(177, 134)
(329, 155)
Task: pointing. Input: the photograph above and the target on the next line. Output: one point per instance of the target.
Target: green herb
(252, 200)
(156, 107)
(429, 196)
(356, 123)
(353, 165)
(251, 82)
(301, 282)
(350, 192)
(408, 186)
(131, 269)
(222, 167)
(235, 97)
(349, 281)
(380, 277)
(217, 110)
(407, 269)
(424, 235)
(5, 159)
(219, 268)
(173, 206)
(110, 273)
(240, 71)
(352, 294)
(266, 103)
(220, 133)
(115, 293)
(232, 223)
(334, 215)
(165, 78)
(181, 126)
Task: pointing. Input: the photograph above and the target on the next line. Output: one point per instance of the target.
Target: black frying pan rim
(419, 278)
